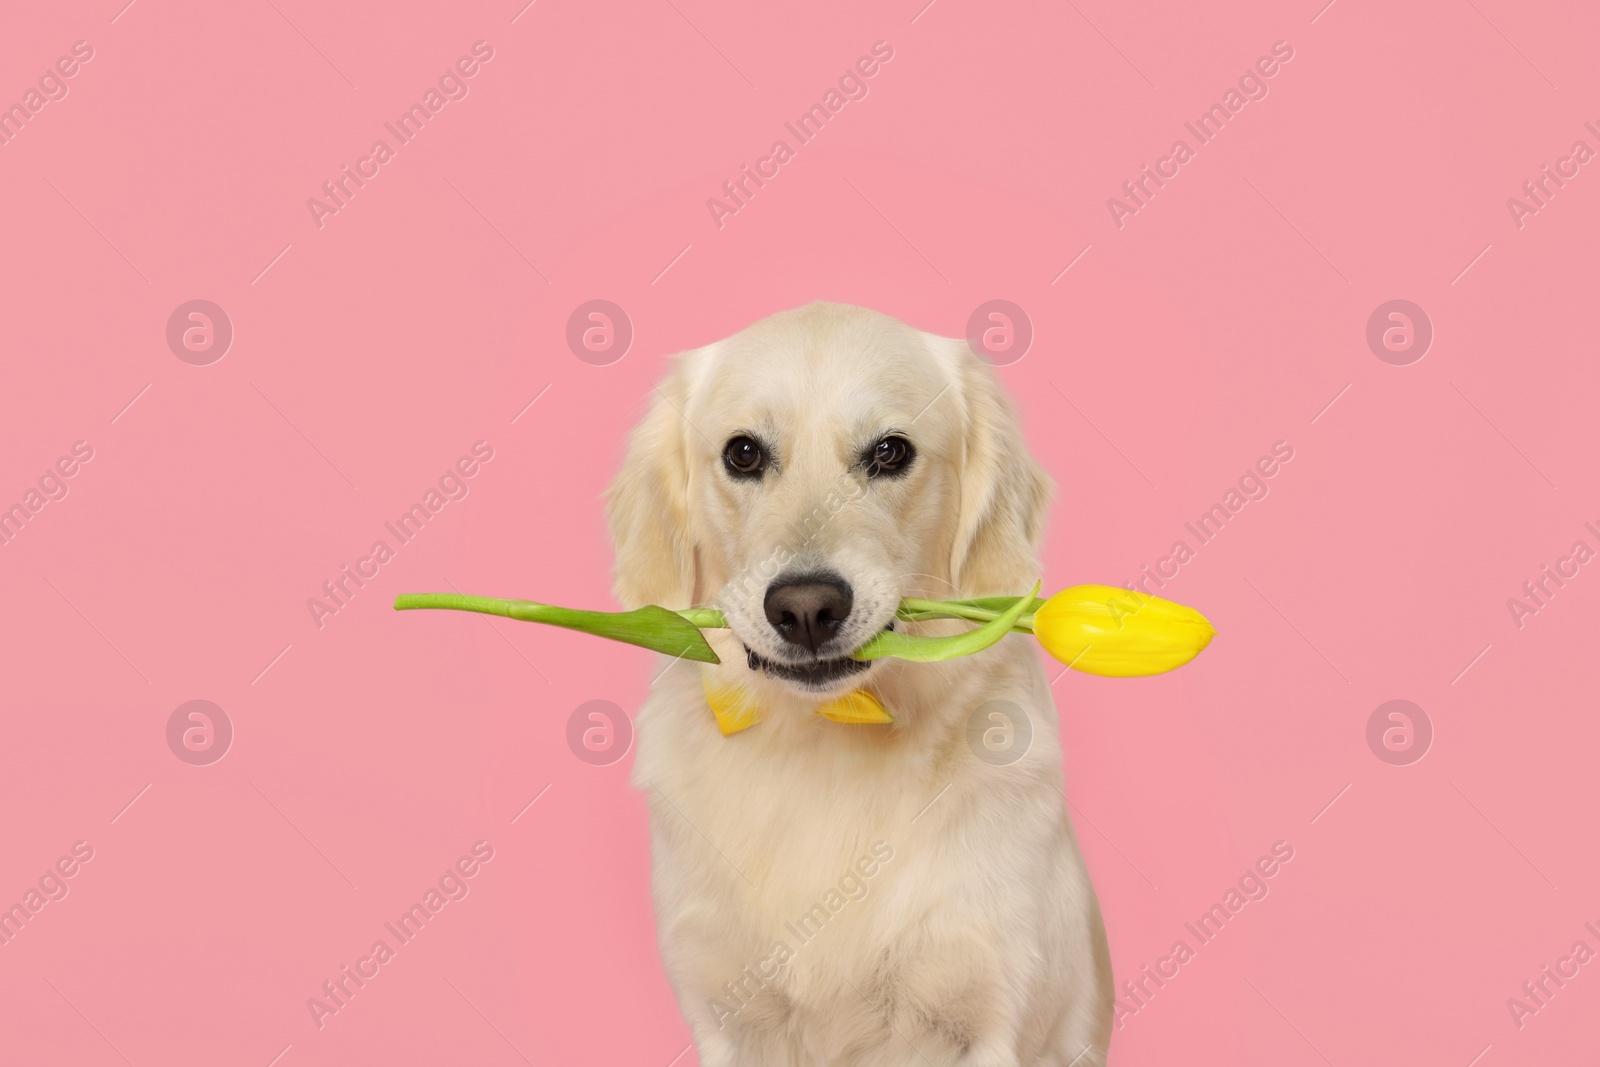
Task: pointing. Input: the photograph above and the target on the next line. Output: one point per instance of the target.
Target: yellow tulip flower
(1119, 633)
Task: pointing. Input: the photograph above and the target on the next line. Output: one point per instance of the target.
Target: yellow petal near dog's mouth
(857, 706)
(735, 707)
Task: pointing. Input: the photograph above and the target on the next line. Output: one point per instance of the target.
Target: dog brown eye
(890, 456)
(743, 457)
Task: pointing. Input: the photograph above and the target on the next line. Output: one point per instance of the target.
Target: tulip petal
(734, 707)
(1120, 633)
(856, 706)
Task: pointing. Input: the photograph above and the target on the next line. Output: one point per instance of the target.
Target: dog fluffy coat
(976, 939)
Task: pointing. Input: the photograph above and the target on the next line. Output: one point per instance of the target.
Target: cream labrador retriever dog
(841, 893)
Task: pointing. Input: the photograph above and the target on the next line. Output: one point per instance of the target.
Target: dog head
(807, 473)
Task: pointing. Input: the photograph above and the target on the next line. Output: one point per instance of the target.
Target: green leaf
(650, 627)
(933, 649)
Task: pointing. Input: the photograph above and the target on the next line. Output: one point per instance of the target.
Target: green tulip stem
(911, 610)
(705, 618)
(933, 649)
(914, 610)
(677, 633)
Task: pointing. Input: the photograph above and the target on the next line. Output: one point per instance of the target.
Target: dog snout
(808, 610)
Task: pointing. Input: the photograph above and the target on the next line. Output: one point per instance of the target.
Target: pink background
(370, 353)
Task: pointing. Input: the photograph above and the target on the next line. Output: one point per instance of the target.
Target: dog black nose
(807, 610)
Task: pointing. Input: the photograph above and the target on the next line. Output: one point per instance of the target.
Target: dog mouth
(819, 674)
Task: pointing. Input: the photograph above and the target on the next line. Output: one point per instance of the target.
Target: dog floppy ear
(1004, 492)
(647, 505)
